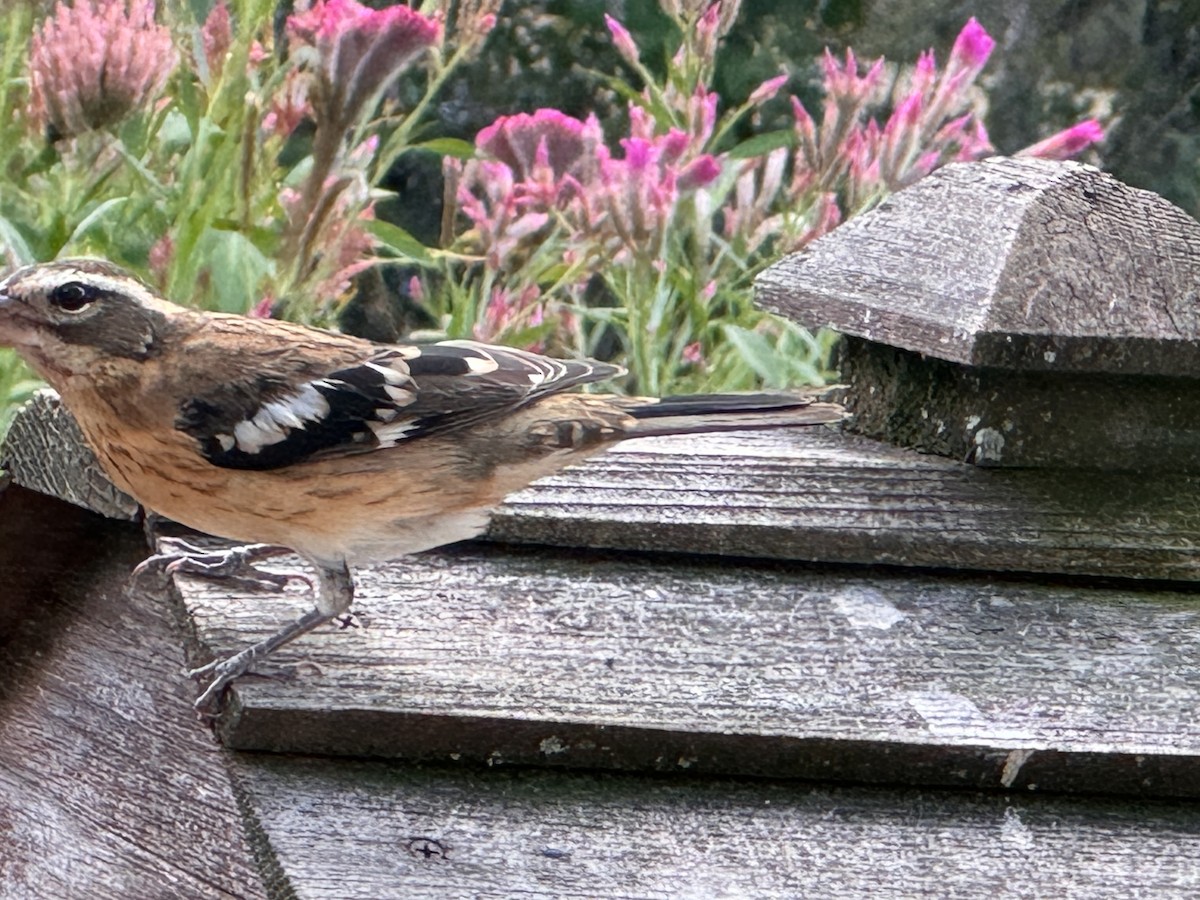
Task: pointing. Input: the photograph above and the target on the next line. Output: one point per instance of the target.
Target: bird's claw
(224, 671)
(232, 564)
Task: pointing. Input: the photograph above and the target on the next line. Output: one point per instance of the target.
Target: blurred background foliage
(1134, 66)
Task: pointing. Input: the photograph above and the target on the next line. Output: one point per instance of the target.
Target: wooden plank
(45, 451)
(379, 831)
(1014, 312)
(1015, 264)
(110, 787)
(802, 494)
(630, 662)
(815, 494)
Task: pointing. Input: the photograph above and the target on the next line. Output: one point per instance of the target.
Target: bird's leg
(334, 592)
(234, 564)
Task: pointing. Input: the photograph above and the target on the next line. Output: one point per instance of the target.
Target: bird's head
(67, 317)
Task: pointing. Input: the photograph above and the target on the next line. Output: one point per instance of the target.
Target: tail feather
(730, 412)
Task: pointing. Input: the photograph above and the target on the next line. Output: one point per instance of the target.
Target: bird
(281, 436)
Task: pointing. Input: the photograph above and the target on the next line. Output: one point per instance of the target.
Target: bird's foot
(224, 671)
(232, 564)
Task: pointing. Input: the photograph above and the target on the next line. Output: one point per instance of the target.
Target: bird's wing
(394, 394)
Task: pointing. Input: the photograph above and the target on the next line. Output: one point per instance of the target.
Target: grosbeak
(343, 450)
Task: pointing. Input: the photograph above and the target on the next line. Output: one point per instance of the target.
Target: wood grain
(631, 662)
(1015, 264)
(44, 451)
(110, 787)
(815, 494)
(379, 831)
(818, 495)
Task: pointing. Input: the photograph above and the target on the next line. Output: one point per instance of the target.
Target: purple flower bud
(217, 38)
(360, 50)
(700, 171)
(622, 40)
(971, 49)
(1068, 142)
(768, 89)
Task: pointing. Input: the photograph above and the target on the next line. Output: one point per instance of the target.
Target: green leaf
(399, 241)
(175, 133)
(455, 147)
(759, 354)
(762, 144)
(235, 267)
(92, 219)
(14, 243)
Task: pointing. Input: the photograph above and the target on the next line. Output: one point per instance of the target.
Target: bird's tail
(730, 412)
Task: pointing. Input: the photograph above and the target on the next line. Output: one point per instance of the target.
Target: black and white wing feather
(396, 394)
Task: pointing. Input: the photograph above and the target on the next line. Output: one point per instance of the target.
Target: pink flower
(473, 21)
(93, 64)
(416, 289)
(499, 209)
(701, 117)
(924, 73)
(1067, 143)
(289, 105)
(843, 83)
(263, 309)
(708, 31)
(971, 49)
(348, 247)
(338, 245)
(518, 140)
(622, 40)
(701, 171)
(217, 38)
(161, 254)
(767, 89)
(547, 168)
(973, 142)
(360, 50)
(506, 313)
(637, 196)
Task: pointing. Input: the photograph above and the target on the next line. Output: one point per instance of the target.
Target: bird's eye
(72, 296)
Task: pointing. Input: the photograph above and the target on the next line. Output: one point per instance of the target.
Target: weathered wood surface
(815, 494)
(803, 494)
(379, 831)
(640, 663)
(109, 787)
(1019, 264)
(44, 451)
(991, 417)
(1014, 312)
